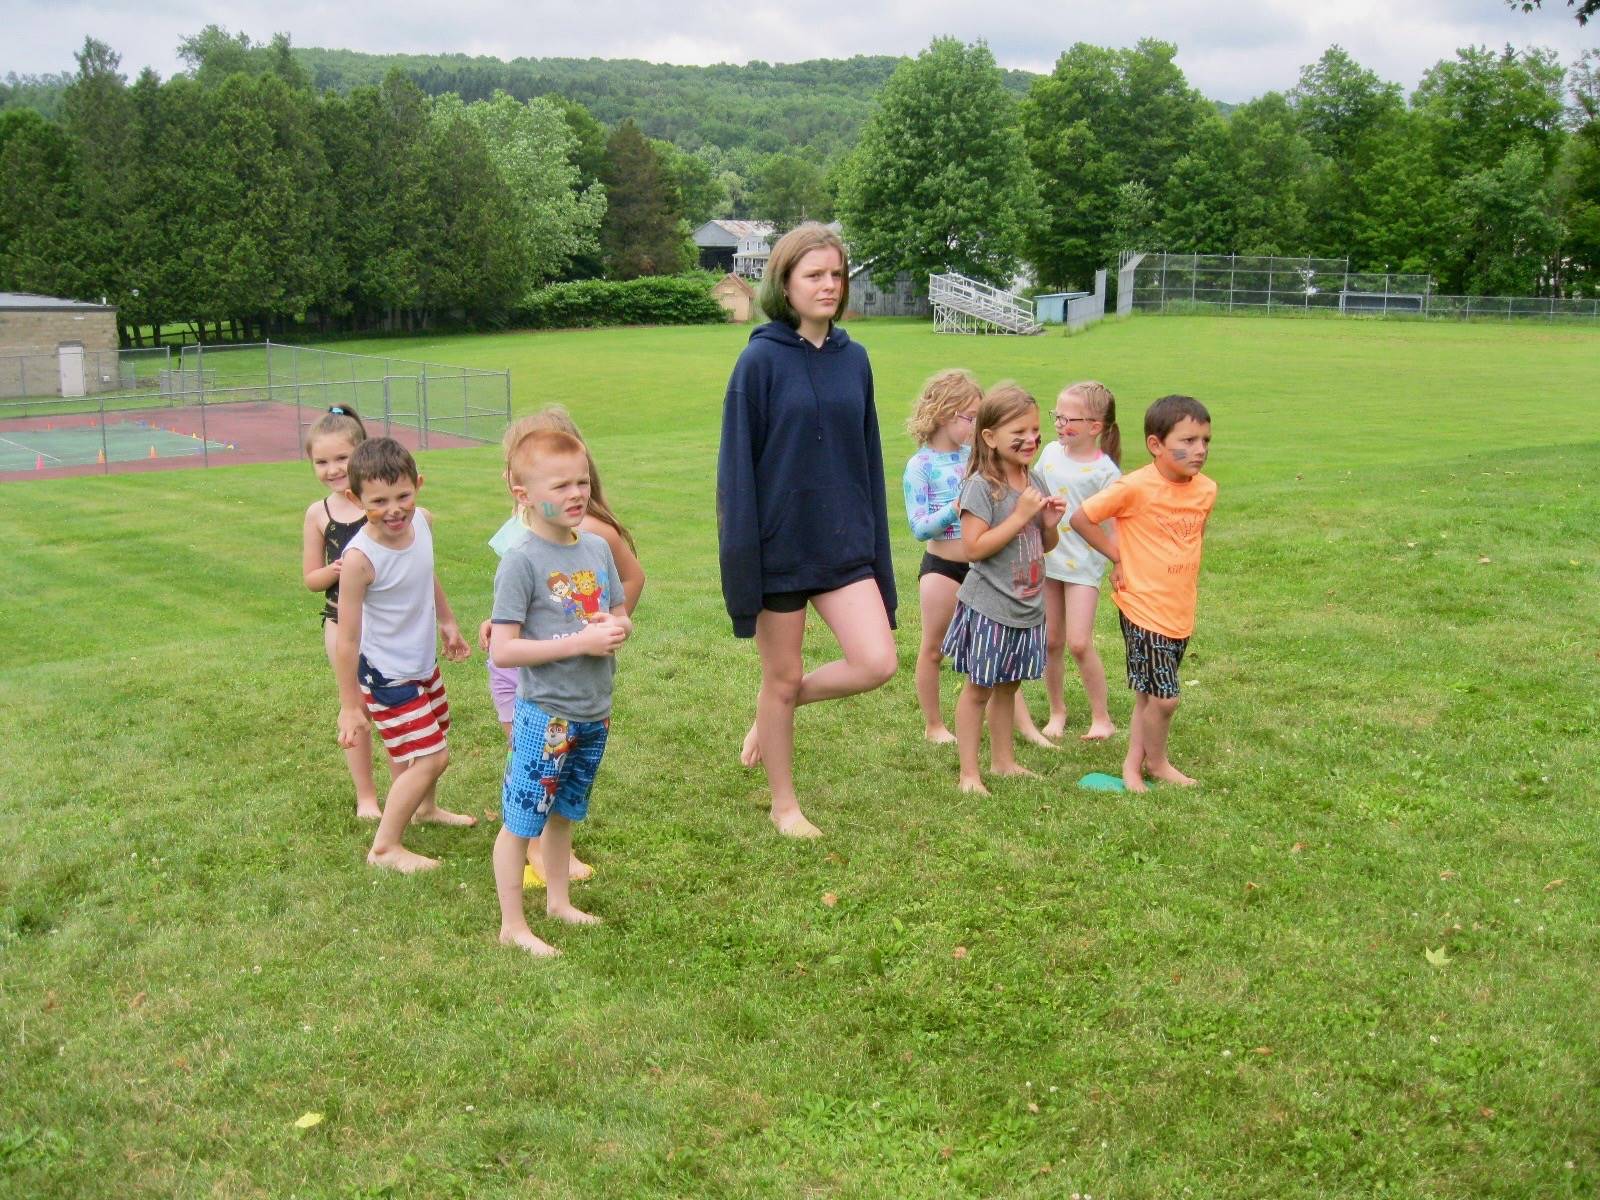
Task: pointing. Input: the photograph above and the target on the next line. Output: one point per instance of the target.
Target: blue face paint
(551, 511)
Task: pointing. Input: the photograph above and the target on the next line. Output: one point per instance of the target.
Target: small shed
(1051, 307)
(52, 346)
(737, 295)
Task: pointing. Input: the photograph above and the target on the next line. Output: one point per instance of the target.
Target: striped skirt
(989, 653)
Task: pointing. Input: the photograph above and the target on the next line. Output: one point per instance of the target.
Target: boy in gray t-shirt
(559, 617)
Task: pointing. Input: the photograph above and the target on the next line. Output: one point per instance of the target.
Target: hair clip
(338, 410)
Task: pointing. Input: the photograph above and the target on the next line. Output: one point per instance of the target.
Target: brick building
(55, 347)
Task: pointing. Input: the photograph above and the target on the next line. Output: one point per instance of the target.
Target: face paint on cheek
(1021, 445)
(1179, 454)
(550, 511)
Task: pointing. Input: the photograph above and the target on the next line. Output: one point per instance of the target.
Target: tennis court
(51, 447)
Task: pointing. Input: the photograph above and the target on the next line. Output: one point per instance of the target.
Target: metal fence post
(205, 439)
(422, 410)
(105, 450)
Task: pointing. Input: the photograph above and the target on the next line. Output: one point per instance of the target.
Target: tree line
(1487, 176)
(265, 185)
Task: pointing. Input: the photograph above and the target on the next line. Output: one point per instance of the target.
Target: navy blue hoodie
(800, 499)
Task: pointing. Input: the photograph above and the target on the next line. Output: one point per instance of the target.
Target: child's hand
(602, 636)
(335, 565)
(353, 726)
(1030, 502)
(455, 646)
(1053, 510)
(483, 636)
(1118, 583)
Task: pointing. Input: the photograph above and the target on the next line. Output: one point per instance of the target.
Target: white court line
(33, 450)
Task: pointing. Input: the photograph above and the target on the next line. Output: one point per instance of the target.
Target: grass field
(1358, 961)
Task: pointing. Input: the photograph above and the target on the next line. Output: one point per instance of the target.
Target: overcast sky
(1229, 49)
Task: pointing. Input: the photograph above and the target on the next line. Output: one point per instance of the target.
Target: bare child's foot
(400, 859)
(750, 752)
(793, 823)
(577, 871)
(571, 915)
(434, 815)
(1055, 727)
(1098, 732)
(368, 810)
(1013, 769)
(939, 735)
(1032, 735)
(1167, 773)
(524, 939)
(1133, 780)
(972, 786)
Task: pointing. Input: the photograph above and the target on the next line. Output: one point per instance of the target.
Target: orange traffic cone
(38, 462)
(153, 453)
(100, 458)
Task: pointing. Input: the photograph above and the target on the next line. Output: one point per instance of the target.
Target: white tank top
(397, 617)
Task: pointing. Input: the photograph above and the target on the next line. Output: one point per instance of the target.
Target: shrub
(650, 300)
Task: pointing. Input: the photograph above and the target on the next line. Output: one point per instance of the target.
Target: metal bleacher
(962, 305)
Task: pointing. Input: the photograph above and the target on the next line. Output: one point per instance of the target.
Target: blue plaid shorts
(553, 765)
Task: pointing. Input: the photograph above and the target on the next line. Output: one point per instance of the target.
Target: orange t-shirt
(1159, 527)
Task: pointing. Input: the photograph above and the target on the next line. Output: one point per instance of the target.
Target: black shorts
(932, 564)
(788, 602)
(1153, 660)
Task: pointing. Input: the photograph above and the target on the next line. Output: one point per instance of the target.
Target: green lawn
(1358, 961)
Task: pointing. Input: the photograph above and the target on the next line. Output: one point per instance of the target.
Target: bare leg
(856, 616)
(413, 781)
(509, 853)
(1055, 668)
(1081, 601)
(357, 758)
(1133, 761)
(969, 735)
(1002, 758)
(557, 839)
(1022, 720)
(1157, 724)
(938, 594)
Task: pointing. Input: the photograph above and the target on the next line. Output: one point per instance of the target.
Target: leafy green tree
(1102, 118)
(699, 194)
(939, 181)
(1585, 9)
(1577, 184)
(99, 121)
(40, 207)
(643, 232)
(1506, 232)
(789, 190)
(1483, 104)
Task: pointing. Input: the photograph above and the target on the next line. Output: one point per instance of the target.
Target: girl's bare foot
(939, 736)
(402, 860)
(571, 915)
(1167, 773)
(793, 823)
(368, 810)
(1037, 738)
(434, 815)
(1055, 726)
(524, 939)
(750, 752)
(1098, 732)
(1013, 769)
(1133, 780)
(578, 870)
(972, 786)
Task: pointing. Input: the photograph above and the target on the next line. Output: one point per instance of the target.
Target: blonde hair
(339, 421)
(791, 248)
(1004, 402)
(1102, 406)
(943, 397)
(555, 419)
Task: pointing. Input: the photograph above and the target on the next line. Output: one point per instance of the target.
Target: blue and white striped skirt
(988, 652)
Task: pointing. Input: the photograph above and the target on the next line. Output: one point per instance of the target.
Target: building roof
(24, 302)
(730, 233)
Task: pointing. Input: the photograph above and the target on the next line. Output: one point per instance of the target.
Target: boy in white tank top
(389, 602)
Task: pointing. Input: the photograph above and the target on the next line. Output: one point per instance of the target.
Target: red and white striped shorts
(412, 715)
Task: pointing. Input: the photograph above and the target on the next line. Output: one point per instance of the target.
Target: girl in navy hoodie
(801, 512)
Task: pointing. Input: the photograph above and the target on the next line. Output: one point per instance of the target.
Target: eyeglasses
(1060, 420)
(967, 417)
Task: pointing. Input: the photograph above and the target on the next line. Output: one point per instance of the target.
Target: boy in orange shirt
(1161, 513)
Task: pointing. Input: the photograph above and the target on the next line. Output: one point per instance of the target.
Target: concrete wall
(30, 341)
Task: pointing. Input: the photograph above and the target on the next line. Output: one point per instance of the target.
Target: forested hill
(764, 108)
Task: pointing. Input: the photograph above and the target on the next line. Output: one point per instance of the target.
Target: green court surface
(27, 449)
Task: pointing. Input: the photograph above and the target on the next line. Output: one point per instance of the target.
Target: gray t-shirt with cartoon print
(1008, 586)
(554, 592)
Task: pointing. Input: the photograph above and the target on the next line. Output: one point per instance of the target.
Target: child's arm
(629, 570)
(1098, 539)
(982, 540)
(508, 648)
(318, 575)
(925, 520)
(455, 646)
(353, 723)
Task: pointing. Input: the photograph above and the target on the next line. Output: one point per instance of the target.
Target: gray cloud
(1230, 50)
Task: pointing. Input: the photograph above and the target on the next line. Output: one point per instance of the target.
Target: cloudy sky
(1229, 49)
